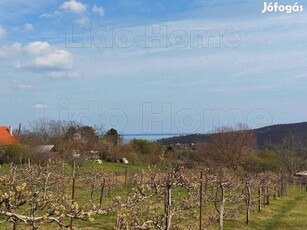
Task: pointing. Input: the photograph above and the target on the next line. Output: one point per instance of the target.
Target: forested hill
(269, 134)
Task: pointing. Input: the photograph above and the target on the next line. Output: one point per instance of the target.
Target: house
(6, 136)
(47, 151)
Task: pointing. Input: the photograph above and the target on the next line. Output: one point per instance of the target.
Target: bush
(149, 152)
(17, 153)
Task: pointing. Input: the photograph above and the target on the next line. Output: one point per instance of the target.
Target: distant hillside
(269, 134)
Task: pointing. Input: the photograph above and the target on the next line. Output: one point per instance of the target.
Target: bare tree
(154, 194)
(34, 195)
(293, 153)
(230, 144)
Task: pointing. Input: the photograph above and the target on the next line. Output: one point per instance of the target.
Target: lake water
(149, 137)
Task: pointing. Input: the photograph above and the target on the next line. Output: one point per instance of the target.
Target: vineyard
(58, 195)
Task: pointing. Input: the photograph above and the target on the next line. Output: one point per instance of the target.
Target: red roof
(5, 136)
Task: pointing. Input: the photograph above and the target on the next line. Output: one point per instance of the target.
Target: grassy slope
(284, 213)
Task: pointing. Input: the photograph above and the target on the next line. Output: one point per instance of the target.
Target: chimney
(11, 130)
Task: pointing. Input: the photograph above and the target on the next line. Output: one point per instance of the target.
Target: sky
(149, 67)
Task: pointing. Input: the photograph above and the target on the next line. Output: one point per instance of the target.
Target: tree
(293, 153)
(113, 136)
(68, 136)
(46, 132)
(34, 195)
(151, 195)
(230, 144)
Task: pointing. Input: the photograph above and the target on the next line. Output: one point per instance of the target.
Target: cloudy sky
(152, 66)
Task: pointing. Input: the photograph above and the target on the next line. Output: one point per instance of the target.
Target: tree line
(234, 148)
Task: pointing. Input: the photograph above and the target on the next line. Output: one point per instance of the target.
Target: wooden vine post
(201, 201)
(73, 195)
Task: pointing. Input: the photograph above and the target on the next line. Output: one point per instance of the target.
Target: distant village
(80, 145)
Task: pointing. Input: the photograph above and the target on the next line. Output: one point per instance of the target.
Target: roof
(5, 136)
(45, 149)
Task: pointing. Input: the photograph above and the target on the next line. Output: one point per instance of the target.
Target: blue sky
(152, 66)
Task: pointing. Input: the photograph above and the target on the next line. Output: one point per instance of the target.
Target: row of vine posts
(159, 199)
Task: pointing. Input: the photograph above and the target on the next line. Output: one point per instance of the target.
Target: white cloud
(28, 27)
(40, 106)
(45, 15)
(83, 21)
(53, 61)
(42, 57)
(74, 6)
(38, 47)
(7, 51)
(2, 32)
(64, 74)
(56, 60)
(21, 86)
(49, 15)
(98, 10)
